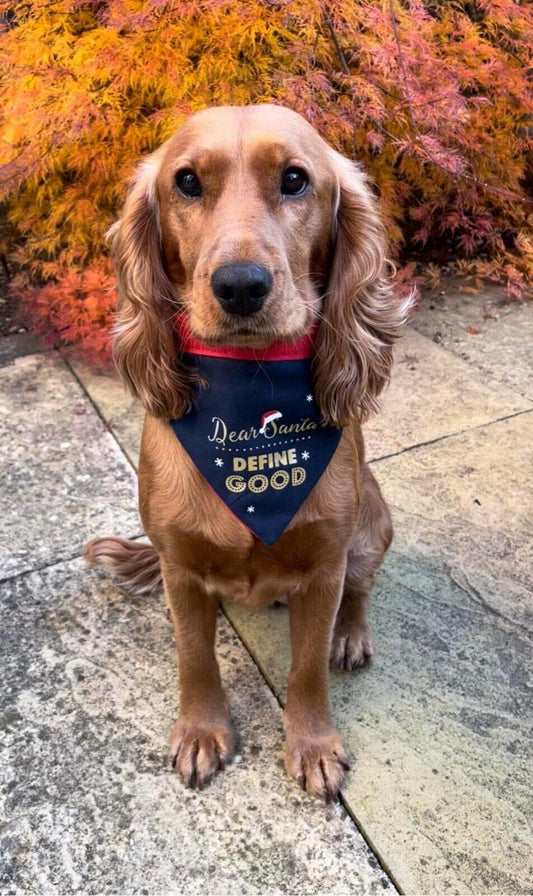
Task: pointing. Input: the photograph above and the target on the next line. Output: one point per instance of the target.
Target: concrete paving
(89, 694)
(438, 727)
(90, 803)
(433, 395)
(483, 328)
(63, 474)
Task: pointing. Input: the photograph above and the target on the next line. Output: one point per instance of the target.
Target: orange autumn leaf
(432, 98)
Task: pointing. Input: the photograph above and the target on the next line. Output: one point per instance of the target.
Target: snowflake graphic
(251, 509)
(219, 462)
(305, 455)
(309, 398)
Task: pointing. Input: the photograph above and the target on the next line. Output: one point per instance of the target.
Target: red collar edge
(278, 351)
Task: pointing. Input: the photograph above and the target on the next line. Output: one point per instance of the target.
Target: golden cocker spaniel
(246, 230)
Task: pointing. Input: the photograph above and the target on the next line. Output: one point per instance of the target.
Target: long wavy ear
(361, 317)
(144, 346)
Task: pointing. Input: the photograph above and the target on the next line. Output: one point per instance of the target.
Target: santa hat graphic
(269, 417)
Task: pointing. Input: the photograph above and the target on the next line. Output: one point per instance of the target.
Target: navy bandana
(254, 431)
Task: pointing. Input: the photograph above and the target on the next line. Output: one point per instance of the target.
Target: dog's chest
(254, 574)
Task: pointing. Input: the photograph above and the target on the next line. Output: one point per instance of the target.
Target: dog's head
(251, 225)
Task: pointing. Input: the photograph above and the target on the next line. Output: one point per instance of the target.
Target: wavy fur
(361, 316)
(144, 350)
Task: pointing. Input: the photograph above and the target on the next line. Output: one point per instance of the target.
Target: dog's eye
(188, 183)
(294, 182)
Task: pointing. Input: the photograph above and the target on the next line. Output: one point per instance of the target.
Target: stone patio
(438, 727)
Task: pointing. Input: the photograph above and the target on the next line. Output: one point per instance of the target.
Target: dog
(247, 230)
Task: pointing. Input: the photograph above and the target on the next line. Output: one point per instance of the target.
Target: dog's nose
(241, 288)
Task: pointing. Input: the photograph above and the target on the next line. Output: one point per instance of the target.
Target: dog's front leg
(202, 739)
(314, 752)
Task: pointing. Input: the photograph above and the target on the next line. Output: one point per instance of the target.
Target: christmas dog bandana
(254, 431)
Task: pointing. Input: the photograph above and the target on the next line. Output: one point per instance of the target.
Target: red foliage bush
(431, 96)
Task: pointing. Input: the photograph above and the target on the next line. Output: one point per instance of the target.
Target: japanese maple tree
(430, 96)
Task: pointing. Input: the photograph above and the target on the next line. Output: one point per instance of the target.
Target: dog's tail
(135, 562)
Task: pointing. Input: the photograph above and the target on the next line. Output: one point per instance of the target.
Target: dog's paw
(352, 647)
(319, 764)
(198, 751)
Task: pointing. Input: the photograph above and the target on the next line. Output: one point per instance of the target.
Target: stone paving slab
(89, 802)
(433, 394)
(439, 737)
(437, 726)
(64, 478)
(485, 329)
(440, 724)
(463, 513)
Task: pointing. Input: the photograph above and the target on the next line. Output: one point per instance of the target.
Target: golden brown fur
(326, 253)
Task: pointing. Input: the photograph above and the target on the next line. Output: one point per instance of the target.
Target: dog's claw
(342, 762)
(319, 766)
(198, 753)
(301, 781)
(352, 649)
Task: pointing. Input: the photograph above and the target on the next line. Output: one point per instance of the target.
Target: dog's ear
(361, 316)
(144, 346)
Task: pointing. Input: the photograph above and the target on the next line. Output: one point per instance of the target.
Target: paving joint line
(108, 423)
(78, 556)
(5, 580)
(12, 577)
(481, 606)
(451, 435)
(28, 572)
(342, 799)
